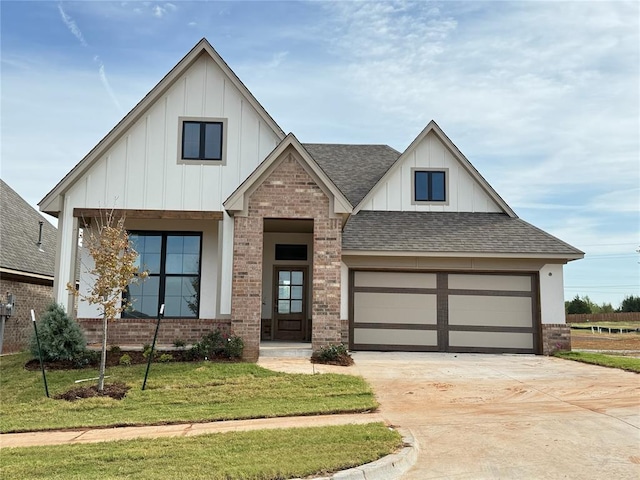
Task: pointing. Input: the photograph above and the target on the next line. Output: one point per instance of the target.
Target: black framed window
(429, 186)
(173, 262)
(202, 140)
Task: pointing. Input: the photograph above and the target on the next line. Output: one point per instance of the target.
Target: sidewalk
(92, 435)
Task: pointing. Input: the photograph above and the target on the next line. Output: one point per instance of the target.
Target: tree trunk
(103, 357)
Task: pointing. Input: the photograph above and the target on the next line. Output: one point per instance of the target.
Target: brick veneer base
(555, 337)
(130, 331)
(18, 328)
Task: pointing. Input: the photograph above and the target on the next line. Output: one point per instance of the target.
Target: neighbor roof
(19, 251)
(450, 232)
(354, 169)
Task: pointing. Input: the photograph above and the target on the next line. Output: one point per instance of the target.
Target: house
(27, 257)
(244, 227)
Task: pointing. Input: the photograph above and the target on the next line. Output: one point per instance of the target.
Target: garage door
(443, 311)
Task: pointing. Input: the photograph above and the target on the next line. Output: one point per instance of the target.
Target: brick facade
(288, 192)
(555, 337)
(18, 328)
(139, 331)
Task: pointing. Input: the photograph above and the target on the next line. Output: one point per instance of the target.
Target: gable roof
(51, 202)
(451, 233)
(355, 169)
(19, 249)
(432, 127)
(237, 200)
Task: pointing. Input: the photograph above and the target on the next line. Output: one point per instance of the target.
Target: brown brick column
(555, 337)
(327, 252)
(246, 301)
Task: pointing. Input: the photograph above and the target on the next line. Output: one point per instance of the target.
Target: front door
(290, 303)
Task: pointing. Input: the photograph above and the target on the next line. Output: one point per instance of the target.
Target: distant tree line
(585, 305)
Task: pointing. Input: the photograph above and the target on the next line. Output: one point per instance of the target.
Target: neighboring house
(244, 227)
(27, 257)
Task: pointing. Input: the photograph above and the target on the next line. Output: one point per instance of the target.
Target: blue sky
(542, 97)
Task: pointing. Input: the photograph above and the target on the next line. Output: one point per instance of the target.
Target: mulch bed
(116, 390)
(343, 360)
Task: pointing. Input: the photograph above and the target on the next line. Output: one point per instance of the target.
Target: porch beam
(88, 213)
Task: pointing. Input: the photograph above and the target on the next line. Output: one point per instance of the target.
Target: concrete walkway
(59, 437)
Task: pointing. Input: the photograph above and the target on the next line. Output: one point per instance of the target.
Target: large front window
(173, 262)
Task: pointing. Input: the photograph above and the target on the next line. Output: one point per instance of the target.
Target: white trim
(405, 253)
(25, 274)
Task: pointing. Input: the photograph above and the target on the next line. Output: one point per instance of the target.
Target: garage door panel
(395, 308)
(509, 283)
(395, 279)
(375, 336)
(491, 311)
(491, 339)
(444, 311)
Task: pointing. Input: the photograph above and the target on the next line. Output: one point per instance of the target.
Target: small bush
(115, 350)
(234, 347)
(216, 345)
(146, 351)
(166, 358)
(86, 358)
(60, 337)
(125, 360)
(335, 354)
(179, 343)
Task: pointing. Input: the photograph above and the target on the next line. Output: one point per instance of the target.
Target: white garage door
(443, 311)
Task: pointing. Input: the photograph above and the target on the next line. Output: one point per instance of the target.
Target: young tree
(114, 269)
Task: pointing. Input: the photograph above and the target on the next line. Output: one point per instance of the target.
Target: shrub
(179, 343)
(215, 344)
(125, 360)
(60, 337)
(234, 347)
(115, 350)
(86, 358)
(146, 351)
(334, 354)
(166, 357)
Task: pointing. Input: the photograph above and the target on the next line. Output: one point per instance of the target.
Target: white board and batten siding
(464, 193)
(444, 311)
(141, 170)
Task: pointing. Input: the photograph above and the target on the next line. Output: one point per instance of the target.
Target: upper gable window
(429, 186)
(202, 140)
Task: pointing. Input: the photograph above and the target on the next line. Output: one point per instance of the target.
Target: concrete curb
(390, 467)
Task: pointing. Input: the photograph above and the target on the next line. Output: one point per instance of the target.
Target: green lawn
(259, 455)
(631, 364)
(175, 393)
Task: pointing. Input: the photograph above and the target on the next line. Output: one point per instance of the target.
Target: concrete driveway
(509, 416)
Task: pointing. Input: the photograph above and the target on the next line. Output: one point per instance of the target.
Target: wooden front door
(289, 306)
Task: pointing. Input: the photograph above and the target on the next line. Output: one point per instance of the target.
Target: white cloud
(72, 26)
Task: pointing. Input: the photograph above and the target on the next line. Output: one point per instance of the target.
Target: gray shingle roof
(354, 169)
(445, 232)
(19, 236)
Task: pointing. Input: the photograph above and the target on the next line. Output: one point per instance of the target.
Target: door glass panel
(283, 292)
(296, 306)
(296, 278)
(283, 306)
(284, 278)
(296, 293)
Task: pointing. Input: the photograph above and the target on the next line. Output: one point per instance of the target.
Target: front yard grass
(262, 454)
(631, 364)
(175, 393)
